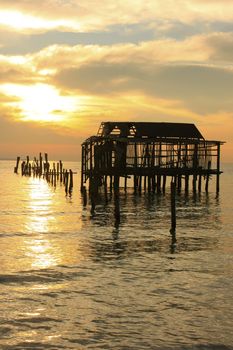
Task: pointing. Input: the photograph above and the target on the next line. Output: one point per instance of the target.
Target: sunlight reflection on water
(72, 280)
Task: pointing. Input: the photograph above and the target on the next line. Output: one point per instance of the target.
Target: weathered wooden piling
(71, 181)
(199, 183)
(37, 168)
(218, 169)
(17, 165)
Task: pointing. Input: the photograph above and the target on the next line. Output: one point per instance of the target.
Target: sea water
(72, 279)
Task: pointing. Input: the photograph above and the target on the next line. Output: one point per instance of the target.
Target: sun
(41, 102)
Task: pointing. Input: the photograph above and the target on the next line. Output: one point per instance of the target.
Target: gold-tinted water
(73, 280)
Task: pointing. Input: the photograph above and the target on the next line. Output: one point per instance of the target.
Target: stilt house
(148, 153)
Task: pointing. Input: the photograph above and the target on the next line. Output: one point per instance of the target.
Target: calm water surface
(72, 280)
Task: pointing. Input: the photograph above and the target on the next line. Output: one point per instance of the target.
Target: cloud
(202, 89)
(91, 15)
(195, 71)
(222, 46)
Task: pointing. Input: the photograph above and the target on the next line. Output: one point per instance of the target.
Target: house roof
(150, 129)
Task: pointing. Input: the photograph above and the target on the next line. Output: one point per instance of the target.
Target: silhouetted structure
(149, 152)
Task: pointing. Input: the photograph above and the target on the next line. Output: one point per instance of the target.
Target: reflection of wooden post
(218, 169)
(110, 185)
(116, 183)
(117, 209)
(158, 184)
(84, 194)
(173, 206)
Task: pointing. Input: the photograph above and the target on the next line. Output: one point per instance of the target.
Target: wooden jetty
(149, 152)
(51, 172)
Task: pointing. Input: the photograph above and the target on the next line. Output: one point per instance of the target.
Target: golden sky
(67, 65)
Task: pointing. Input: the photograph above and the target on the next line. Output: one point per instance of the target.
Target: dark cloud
(21, 43)
(202, 89)
(222, 46)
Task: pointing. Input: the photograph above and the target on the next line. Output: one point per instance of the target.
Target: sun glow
(21, 21)
(41, 102)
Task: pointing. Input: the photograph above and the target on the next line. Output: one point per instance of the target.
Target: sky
(67, 65)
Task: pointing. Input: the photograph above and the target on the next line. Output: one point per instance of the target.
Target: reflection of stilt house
(149, 152)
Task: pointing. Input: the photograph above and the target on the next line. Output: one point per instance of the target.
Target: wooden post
(135, 178)
(29, 169)
(140, 184)
(40, 160)
(164, 183)
(63, 177)
(179, 183)
(208, 176)
(199, 183)
(144, 183)
(149, 183)
(186, 188)
(218, 169)
(106, 188)
(125, 185)
(27, 166)
(54, 178)
(82, 169)
(61, 170)
(58, 170)
(66, 181)
(195, 165)
(23, 168)
(173, 207)
(194, 182)
(153, 183)
(71, 182)
(17, 165)
(46, 157)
